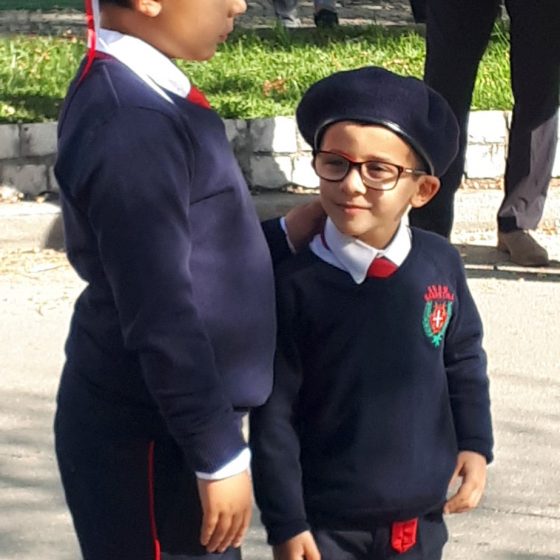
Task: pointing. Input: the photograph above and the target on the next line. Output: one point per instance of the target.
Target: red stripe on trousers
(153, 526)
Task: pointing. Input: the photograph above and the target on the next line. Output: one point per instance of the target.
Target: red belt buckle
(403, 535)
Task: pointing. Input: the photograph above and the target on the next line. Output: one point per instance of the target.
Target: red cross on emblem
(438, 316)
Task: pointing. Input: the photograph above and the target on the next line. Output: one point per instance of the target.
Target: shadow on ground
(33, 516)
(517, 520)
(484, 261)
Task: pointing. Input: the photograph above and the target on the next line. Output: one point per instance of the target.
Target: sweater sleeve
(136, 196)
(466, 367)
(276, 239)
(274, 440)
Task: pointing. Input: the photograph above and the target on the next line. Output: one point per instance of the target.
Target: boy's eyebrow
(340, 153)
(369, 158)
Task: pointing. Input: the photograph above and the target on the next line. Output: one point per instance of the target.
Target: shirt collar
(158, 71)
(355, 256)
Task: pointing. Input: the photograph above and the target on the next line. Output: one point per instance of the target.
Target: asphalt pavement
(519, 518)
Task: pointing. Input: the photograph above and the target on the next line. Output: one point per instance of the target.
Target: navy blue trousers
(457, 34)
(131, 498)
(375, 543)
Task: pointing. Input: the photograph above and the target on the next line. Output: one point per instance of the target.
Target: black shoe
(325, 18)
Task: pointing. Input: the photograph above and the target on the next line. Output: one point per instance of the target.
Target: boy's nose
(239, 7)
(352, 184)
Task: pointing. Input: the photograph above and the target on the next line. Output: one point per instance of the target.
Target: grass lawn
(252, 75)
(40, 4)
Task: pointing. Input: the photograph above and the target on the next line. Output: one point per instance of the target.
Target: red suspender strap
(91, 38)
(153, 527)
(403, 535)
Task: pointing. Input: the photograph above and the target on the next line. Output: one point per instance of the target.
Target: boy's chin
(352, 229)
(195, 55)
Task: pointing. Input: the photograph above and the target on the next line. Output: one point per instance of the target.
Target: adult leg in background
(325, 14)
(286, 12)
(457, 33)
(535, 75)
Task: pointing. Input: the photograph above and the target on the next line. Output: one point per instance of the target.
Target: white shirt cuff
(235, 466)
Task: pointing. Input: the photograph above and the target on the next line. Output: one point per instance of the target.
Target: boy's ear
(427, 188)
(149, 8)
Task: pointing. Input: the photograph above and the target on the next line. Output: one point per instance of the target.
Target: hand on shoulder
(303, 222)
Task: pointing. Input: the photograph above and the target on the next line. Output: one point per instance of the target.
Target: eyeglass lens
(376, 174)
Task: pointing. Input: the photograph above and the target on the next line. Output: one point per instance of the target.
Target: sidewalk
(259, 13)
(33, 225)
(519, 518)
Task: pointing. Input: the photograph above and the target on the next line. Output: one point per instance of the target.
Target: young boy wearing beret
(380, 396)
(173, 338)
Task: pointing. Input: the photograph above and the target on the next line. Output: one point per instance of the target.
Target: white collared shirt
(149, 64)
(355, 256)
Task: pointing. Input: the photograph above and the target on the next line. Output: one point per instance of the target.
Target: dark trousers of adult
(375, 542)
(287, 9)
(131, 498)
(418, 8)
(457, 35)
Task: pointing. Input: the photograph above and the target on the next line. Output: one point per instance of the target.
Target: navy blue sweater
(176, 327)
(377, 386)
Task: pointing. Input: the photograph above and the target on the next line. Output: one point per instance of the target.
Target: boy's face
(372, 216)
(188, 29)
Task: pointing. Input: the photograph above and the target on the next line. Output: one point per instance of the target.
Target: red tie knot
(198, 98)
(381, 267)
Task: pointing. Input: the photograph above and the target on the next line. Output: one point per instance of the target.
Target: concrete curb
(32, 225)
(271, 152)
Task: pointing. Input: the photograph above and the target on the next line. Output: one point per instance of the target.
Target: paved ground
(520, 516)
(259, 14)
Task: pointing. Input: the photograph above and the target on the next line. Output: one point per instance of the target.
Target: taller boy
(160, 225)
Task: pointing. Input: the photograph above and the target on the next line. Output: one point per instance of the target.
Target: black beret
(372, 95)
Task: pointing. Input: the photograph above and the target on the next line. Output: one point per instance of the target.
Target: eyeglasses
(376, 175)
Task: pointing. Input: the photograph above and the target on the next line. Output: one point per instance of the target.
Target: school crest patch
(437, 312)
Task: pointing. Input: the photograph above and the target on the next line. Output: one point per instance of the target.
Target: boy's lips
(352, 207)
(225, 35)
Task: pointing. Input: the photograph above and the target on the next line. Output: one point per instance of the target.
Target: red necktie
(381, 267)
(197, 97)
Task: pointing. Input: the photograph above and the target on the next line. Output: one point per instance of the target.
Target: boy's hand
(300, 547)
(303, 222)
(471, 467)
(227, 506)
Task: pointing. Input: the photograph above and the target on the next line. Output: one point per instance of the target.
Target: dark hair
(122, 3)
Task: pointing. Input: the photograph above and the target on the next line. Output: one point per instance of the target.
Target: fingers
(209, 524)
(233, 535)
(227, 509)
(304, 221)
(472, 468)
(300, 547)
(242, 529)
(227, 530)
(467, 498)
(225, 533)
(311, 551)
